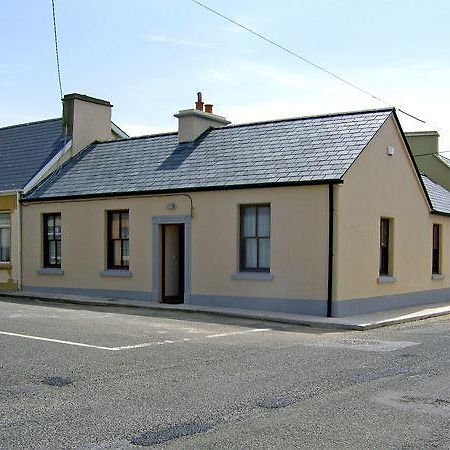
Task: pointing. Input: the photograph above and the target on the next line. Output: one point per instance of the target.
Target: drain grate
(56, 381)
(162, 435)
(276, 402)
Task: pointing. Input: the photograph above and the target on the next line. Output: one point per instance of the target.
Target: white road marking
(130, 347)
(58, 341)
(233, 333)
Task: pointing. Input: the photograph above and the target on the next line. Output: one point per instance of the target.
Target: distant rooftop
(439, 196)
(315, 149)
(25, 149)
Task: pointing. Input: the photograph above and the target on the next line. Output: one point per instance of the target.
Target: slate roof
(293, 151)
(439, 196)
(25, 149)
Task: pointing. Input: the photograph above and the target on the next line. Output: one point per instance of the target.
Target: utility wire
(56, 50)
(308, 61)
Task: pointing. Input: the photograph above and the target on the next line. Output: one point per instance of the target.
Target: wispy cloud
(164, 39)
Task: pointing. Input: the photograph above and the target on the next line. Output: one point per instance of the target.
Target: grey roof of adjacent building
(25, 149)
(439, 196)
(306, 150)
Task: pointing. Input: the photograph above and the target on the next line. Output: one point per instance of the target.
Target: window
(52, 240)
(385, 246)
(118, 242)
(255, 238)
(5, 237)
(436, 258)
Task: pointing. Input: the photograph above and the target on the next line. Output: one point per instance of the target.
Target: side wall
(9, 271)
(299, 248)
(379, 185)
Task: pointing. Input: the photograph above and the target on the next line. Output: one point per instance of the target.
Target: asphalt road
(109, 377)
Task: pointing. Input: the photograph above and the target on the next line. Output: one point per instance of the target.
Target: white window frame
(7, 229)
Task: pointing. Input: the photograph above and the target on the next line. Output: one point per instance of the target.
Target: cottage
(31, 151)
(323, 215)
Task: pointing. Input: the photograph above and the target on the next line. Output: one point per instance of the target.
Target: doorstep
(359, 322)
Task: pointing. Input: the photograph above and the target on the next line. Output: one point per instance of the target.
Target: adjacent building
(323, 215)
(31, 151)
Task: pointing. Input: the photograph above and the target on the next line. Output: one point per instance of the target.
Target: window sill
(115, 273)
(50, 271)
(437, 276)
(382, 279)
(258, 276)
(5, 265)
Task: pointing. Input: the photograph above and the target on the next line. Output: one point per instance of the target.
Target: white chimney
(193, 122)
(86, 119)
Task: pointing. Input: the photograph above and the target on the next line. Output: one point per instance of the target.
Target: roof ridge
(144, 136)
(313, 116)
(261, 122)
(29, 123)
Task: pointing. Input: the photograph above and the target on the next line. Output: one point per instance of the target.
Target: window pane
(264, 221)
(115, 226)
(4, 220)
(125, 253)
(435, 237)
(117, 261)
(251, 254)
(384, 233)
(58, 252)
(5, 254)
(264, 253)
(249, 218)
(57, 227)
(52, 253)
(124, 228)
(50, 227)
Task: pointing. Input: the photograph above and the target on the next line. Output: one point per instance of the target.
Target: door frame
(157, 221)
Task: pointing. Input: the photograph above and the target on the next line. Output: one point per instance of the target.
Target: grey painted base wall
(341, 308)
(352, 307)
(285, 305)
(110, 293)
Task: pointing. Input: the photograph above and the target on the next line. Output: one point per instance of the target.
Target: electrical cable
(308, 61)
(56, 49)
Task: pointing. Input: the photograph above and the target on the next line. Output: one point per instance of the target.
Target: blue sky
(150, 57)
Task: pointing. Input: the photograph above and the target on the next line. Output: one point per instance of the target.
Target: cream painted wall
(299, 242)
(378, 185)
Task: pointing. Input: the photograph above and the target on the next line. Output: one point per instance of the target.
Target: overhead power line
(56, 49)
(308, 61)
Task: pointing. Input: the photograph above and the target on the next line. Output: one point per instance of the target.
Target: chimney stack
(199, 103)
(193, 122)
(86, 119)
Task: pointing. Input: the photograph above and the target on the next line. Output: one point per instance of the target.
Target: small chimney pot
(209, 108)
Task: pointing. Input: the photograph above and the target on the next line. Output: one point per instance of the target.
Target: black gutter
(180, 190)
(330, 248)
(439, 213)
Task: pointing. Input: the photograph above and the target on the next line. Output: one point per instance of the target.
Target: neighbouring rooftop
(439, 196)
(25, 149)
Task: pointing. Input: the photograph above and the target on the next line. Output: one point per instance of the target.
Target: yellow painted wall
(378, 185)
(299, 242)
(8, 271)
